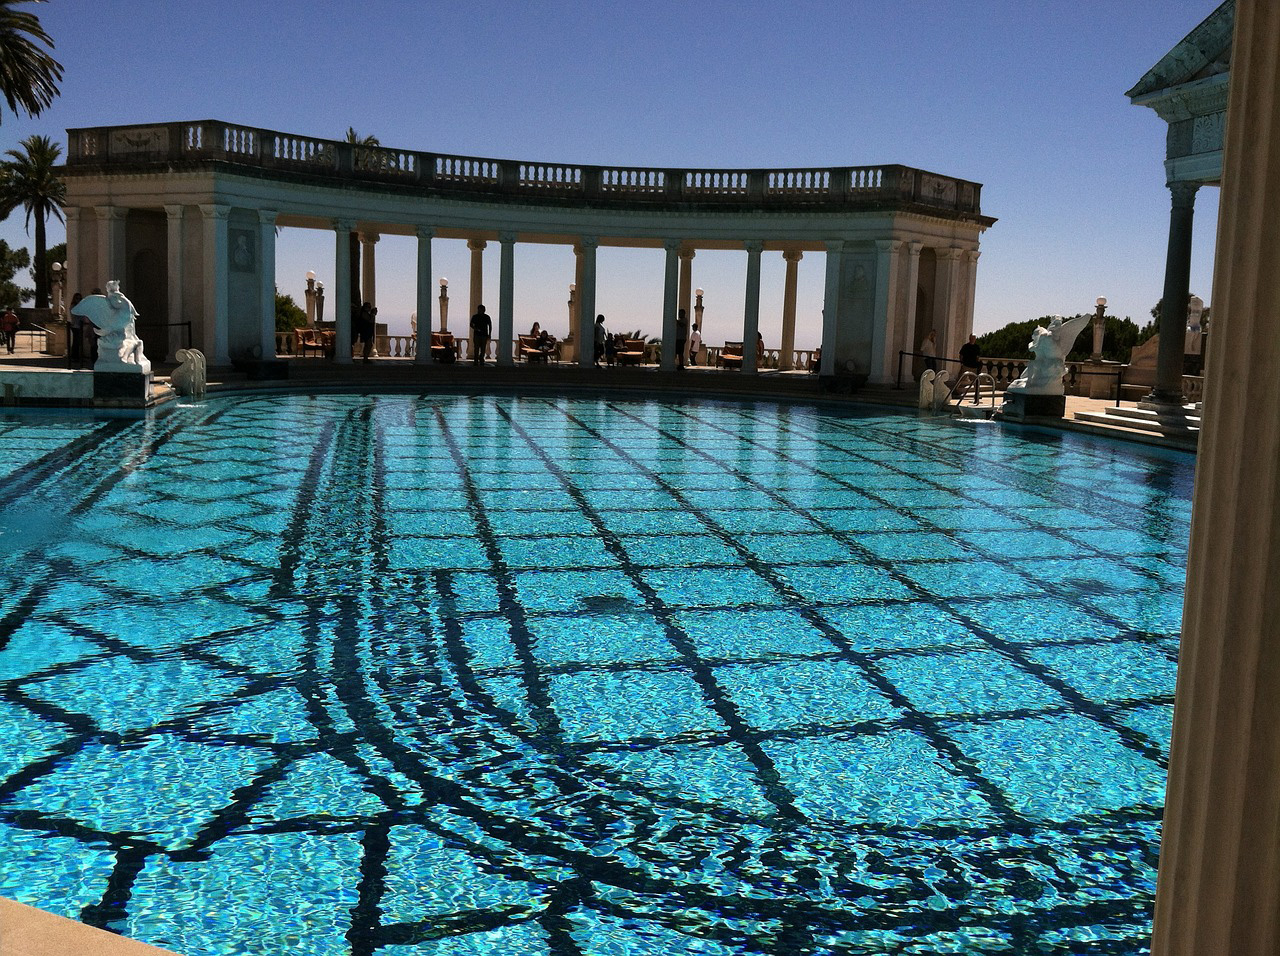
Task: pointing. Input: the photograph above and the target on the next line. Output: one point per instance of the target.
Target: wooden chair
(443, 347)
(317, 340)
(731, 355)
(529, 350)
(632, 352)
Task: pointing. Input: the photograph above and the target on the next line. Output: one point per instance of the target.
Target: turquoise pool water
(477, 675)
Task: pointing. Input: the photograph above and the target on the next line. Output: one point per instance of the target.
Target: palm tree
(30, 180)
(28, 75)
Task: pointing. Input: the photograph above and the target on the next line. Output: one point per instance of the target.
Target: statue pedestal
(1018, 405)
(1100, 379)
(126, 386)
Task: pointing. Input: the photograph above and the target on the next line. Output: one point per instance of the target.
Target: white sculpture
(934, 389)
(1049, 346)
(189, 377)
(119, 348)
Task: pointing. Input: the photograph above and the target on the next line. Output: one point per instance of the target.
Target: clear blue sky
(1024, 97)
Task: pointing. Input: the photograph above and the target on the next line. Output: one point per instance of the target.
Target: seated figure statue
(1049, 347)
(119, 348)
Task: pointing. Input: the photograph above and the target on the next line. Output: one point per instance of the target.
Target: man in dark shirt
(969, 354)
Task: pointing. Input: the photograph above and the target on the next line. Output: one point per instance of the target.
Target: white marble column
(422, 347)
(670, 297)
(368, 268)
(971, 288)
(751, 310)
(176, 336)
(1219, 883)
(587, 301)
(908, 341)
(477, 247)
(342, 291)
(787, 347)
(267, 276)
(506, 298)
(111, 264)
(947, 294)
(831, 306)
(883, 355)
(214, 332)
(75, 268)
(686, 279)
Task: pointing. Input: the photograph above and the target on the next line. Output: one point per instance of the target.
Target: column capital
(687, 252)
(343, 225)
(369, 238)
(888, 245)
(792, 255)
(476, 245)
(172, 210)
(588, 242)
(267, 217)
(834, 245)
(914, 247)
(425, 232)
(1184, 193)
(71, 213)
(753, 246)
(215, 210)
(116, 213)
(671, 245)
(972, 254)
(507, 237)
(949, 253)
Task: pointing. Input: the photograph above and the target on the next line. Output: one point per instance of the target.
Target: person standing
(695, 345)
(601, 338)
(9, 328)
(929, 349)
(969, 355)
(682, 336)
(481, 332)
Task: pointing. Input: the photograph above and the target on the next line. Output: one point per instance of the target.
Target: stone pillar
(267, 276)
(971, 286)
(1219, 885)
(883, 355)
(908, 342)
(342, 291)
(368, 268)
(214, 326)
(751, 311)
(587, 301)
(947, 296)
(506, 297)
(477, 275)
(75, 269)
(422, 347)
(111, 263)
(831, 307)
(686, 279)
(787, 347)
(176, 336)
(670, 295)
(1173, 305)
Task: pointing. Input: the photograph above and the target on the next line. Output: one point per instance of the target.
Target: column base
(122, 386)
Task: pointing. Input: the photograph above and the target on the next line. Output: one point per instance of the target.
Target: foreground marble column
(831, 306)
(213, 339)
(1219, 886)
(883, 355)
(1173, 305)
(787, 347)
(506, 297)
(686, 279)
(267, 283)
(587, 301)
(669, 307)
(751, 312)
(176, 337)
(477, 276)
(342, 291)
(422, 348)
(369, 268)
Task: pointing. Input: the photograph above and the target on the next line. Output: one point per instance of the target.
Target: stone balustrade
(479, 177)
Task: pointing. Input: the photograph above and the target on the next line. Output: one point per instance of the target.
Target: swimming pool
(467, 675)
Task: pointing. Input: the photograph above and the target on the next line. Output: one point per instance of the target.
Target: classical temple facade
(185, 215)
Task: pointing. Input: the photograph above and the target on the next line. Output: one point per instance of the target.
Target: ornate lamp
(1099, 328)
(444, 304)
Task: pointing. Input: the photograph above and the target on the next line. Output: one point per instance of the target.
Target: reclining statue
(119, 348)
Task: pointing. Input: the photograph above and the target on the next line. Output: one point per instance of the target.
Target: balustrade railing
(244, 145)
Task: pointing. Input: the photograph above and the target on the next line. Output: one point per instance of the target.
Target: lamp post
(1193, 363)
(444, 304)
(57, 275)
(319, 302)
(573, 294)
(311, 298)
(697, 309)
(1099, 328)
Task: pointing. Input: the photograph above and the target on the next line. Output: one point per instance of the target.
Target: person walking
(9, 328)
(929, 349)
(481, 332)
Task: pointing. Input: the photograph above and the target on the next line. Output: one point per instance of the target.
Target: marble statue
(189, 377)
(119, 348)
(1049, 347)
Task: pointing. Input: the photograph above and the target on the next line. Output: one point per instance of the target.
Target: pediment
(1202, 53)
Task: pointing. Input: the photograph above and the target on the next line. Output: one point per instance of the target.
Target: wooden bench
(530, 351)
(317, 340)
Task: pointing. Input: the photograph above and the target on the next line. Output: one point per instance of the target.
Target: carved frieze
(125, 142)
(1206, 132)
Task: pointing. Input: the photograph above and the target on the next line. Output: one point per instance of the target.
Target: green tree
(29, 179)
(11, 262)
(289, 315)
(28, 74)
(1014, 340)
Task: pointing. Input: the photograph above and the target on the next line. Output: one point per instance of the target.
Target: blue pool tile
(35, 870)
(718, 776)
(683, 550)
(794, 548)
(968, 579)
(916, 624)
(38, 645)
(1121, 670)
(599, 638)
(838, 585)
(1155, 721)
(427, 554)
(795, 693)
(712, 587)
(966, 682)
(607, 706)
(914, 546)
(567, 590)
(1028, 621)
(750, 633)
(555, 551)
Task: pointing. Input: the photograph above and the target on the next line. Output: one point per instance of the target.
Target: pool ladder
(981, 385)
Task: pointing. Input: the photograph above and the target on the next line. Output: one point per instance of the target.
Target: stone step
(1164, 421)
